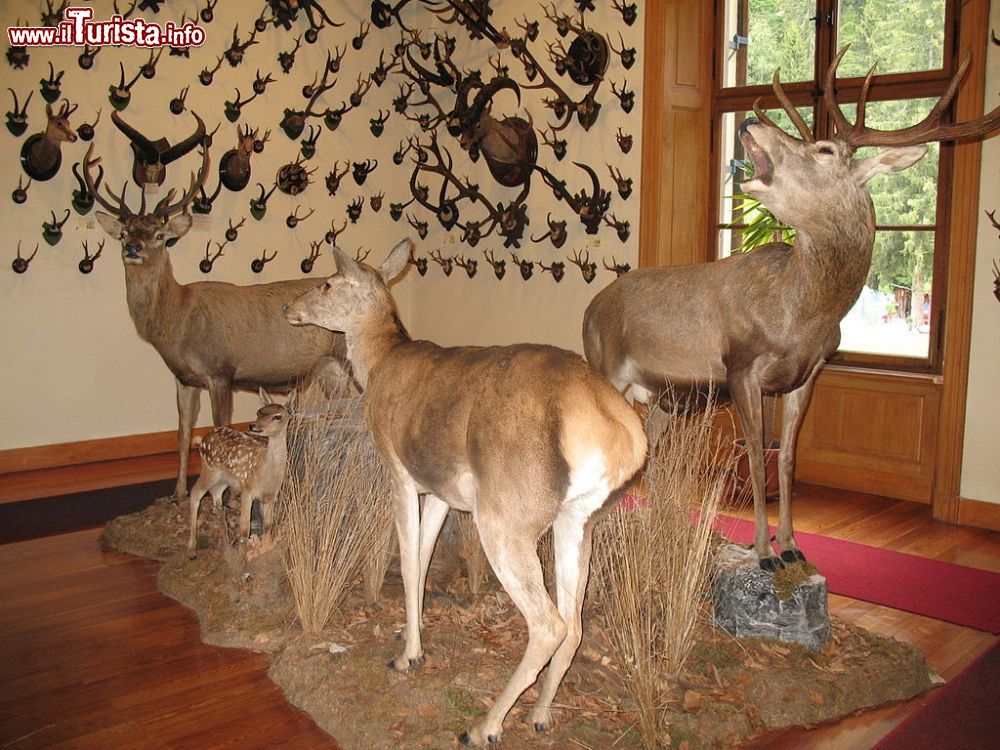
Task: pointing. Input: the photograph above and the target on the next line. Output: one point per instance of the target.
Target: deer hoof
(466, 739)
(771, 564)
(405, 665)
(791, 556)
(541, 721)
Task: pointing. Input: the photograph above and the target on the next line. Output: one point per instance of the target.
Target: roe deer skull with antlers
(525, 437)
(210, 335)
(762, 324)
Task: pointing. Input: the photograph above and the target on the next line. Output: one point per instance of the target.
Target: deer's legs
(209, 481)
(220, 393)
(406, 509)
(266, 512)
(514, 557)
(793, 412)
(572, 543)
(246, 505)
(746, 397)
(769, 404)
(187, 413)
(432, 518)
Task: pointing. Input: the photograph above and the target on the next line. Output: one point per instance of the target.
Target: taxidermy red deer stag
(762, 323)
(524, 437)
(252, 462)
(211, 335)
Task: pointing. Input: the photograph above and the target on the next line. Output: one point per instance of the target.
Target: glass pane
(901, 37)
(908, 197)
(763, 35)
(892, 315)
(734, 170)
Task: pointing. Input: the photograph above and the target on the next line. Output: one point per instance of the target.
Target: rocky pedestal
(746, 603)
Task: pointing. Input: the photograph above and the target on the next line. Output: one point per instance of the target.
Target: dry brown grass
(334, 520)
(477, 567)
(652, 563)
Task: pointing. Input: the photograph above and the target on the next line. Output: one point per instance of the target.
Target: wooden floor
(92, 656)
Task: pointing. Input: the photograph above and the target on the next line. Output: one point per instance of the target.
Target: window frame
(907, 85)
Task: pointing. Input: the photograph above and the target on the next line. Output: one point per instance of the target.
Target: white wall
(980, 464)
(71, 364)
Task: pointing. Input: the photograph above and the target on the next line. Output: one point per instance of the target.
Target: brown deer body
(525, 437)
(251, 462)
(211, 335)
(762, 324)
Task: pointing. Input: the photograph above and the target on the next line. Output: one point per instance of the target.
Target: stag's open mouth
(762, 165)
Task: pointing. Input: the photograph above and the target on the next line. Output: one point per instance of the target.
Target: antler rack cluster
(557, 268)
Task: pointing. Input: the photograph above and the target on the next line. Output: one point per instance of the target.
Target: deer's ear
(395, 262)
(891, 160)
(346, 265)
(265, 397)
(179, 225)
(111, 224)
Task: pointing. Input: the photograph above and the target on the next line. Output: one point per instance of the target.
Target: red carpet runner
(963, 715)
(943, 591)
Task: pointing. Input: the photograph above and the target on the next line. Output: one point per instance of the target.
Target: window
(896, 321)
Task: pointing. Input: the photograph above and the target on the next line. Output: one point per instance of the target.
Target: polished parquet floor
(93, 657)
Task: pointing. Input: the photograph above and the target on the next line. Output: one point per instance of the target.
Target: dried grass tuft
(472, 553)
(334, 520)
(653, 561)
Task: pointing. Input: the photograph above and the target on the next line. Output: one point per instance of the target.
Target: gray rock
(745, 602)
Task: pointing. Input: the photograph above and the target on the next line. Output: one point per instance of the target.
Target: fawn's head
(353, 294)
(144, 235)
(272, 418)
(806, 182)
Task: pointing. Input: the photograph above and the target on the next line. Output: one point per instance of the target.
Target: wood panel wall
(676, 125)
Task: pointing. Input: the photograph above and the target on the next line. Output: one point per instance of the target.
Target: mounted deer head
(152, 157)
(41, 154)
(741, 324)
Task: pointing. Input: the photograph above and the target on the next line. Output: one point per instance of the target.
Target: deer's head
(57, 128)
(786, 168)
(145, 235)
(272, 418)
(353, 294)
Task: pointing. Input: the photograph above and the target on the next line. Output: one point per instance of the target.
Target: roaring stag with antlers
(211, 335)
(762, 324)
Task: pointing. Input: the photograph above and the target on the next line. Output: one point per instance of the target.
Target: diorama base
(748, 602)
(730, 690)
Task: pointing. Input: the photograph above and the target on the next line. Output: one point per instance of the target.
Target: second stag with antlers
(761, 324)
(525, 437)
(211, 335)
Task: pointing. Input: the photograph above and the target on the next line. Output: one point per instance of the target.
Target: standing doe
(761, 324)
(251, 462)
(525, 437)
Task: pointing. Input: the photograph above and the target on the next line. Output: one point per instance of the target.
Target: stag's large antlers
(164, 209)
(931, 128)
